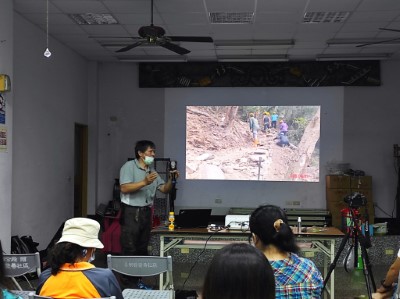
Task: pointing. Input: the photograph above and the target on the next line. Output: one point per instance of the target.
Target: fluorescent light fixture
(267, 43)
(252, 58)
(337, 42)
(93, 19)
(316, 17)
(231, 17)
(152, 59)
(335, 57)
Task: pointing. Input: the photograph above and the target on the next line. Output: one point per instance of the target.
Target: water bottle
(171, 219)
(299, 225)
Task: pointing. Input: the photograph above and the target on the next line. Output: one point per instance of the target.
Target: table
(313, 240)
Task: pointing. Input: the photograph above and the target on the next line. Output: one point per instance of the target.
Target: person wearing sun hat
(71, 275)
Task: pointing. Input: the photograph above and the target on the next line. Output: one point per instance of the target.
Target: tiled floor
(347, 285)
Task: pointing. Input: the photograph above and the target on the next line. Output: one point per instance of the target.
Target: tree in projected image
(220, 143)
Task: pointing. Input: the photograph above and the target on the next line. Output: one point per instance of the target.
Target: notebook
(193, 218)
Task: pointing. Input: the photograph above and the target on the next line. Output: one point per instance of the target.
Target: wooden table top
(311, 231)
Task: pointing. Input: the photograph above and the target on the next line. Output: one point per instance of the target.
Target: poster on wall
(3, 139)
(2, 110)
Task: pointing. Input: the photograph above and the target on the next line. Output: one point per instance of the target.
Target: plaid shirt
(296, 278)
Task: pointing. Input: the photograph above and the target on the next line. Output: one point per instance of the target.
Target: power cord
(202, 251)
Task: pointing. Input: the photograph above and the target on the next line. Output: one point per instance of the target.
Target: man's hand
(150, 177)
(174, 174)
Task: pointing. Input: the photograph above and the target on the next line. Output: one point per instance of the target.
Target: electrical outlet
(218, 200)
(309, 254)
(389, 251)
(289, 203)
(185, 250)
(184, 275)
(296, 203)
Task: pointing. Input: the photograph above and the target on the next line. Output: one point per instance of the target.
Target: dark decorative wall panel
(262, 74)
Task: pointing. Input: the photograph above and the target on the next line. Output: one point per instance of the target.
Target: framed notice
(3, 138)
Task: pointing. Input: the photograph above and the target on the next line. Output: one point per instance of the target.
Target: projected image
(264, 143)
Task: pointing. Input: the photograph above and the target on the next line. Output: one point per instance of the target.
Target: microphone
(172, 167)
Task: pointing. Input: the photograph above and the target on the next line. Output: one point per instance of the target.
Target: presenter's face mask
(148, 160)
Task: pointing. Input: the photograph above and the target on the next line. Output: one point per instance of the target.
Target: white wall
(126, 114)
(6, 67)
(202, 193)
(363, 139)
(50, 96)
(371, 127)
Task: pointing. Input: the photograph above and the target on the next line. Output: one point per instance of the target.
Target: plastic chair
(144, 266)
(20, 264)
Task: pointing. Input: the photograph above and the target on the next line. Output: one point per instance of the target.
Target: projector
(239, 222)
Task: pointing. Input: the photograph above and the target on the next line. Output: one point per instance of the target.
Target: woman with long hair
(239, 271)
(295, 277)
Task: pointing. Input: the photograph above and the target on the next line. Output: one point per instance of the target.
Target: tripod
(359, 239)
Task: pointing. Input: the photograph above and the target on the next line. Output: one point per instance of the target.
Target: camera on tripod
(356, 200)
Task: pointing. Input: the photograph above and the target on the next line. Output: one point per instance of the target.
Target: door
(80, 175)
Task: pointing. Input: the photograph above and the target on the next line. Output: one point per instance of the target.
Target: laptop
(193, 218)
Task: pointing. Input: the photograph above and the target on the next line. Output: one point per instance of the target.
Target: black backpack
(18, 246)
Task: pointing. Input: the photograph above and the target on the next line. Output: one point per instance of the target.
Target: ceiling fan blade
(389, 29)
(196, 39)
(380, 42)
(173, 47)
(131, 46)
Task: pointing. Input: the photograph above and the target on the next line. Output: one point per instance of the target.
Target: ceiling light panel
(325, 17)
(231, 17)
(93, 19)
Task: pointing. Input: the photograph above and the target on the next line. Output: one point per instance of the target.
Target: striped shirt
(296, 278)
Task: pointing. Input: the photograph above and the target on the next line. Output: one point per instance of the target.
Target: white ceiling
(273, 20)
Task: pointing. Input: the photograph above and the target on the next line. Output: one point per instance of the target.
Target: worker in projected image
(283, 127)
(274, 119)
(139, 182)
(283, 140)
(254, 127)
(266, 121)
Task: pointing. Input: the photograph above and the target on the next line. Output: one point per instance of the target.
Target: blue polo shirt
(132, 172)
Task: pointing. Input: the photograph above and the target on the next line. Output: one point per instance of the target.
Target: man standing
(254, 127)
(139, 183)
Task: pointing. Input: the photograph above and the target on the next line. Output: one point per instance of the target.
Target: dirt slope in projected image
(220, 146)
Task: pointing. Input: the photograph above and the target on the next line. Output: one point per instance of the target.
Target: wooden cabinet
(340, 186)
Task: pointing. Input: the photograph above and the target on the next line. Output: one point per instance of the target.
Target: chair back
(20, 264)
(142, 266)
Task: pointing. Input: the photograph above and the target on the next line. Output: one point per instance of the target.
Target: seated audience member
(295, 277)
(389, 285)
(4, 281)
(70, 273)
(239, 271)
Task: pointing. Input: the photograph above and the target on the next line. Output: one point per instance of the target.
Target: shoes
(142, 286)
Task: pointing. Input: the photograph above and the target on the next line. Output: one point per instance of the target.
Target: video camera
(356, 200)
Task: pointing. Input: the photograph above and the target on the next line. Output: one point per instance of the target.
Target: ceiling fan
(156, 35)
(382, 41)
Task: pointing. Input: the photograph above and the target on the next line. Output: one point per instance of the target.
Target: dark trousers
(135, 229)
